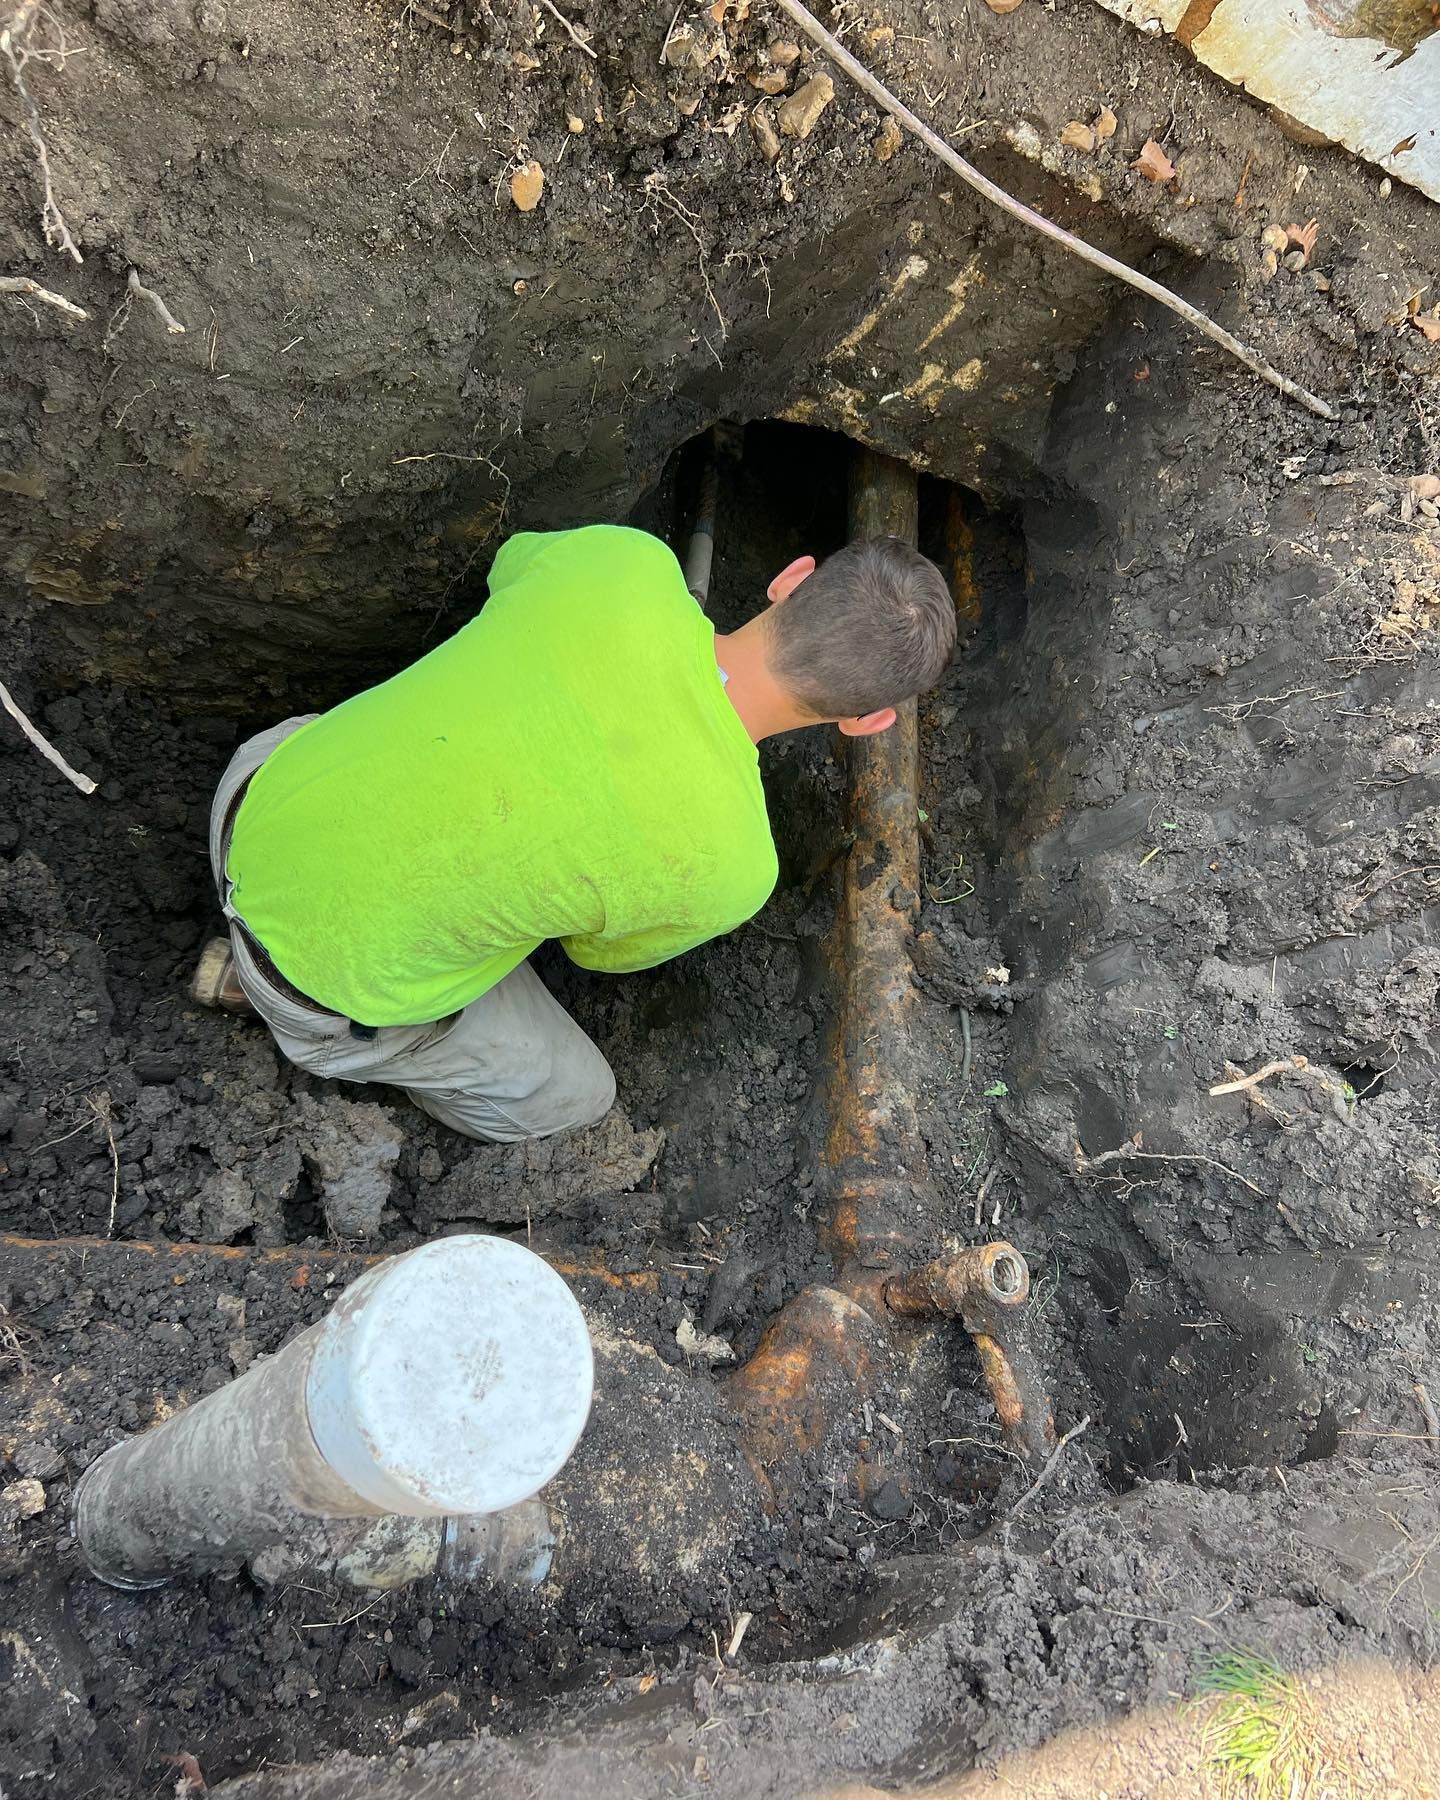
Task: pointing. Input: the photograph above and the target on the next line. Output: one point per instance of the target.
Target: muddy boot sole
(215, 983)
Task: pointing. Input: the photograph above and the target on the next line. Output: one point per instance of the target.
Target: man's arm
(642, 949)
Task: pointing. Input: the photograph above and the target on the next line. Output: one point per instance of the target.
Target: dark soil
(1182, 820)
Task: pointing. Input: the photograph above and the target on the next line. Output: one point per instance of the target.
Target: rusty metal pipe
(872, 1147)
(986, 1288)
(990, 1275)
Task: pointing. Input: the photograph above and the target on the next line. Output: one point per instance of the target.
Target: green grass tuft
(1263, 1736)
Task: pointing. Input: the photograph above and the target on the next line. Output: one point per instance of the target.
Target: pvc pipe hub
(455, 1379)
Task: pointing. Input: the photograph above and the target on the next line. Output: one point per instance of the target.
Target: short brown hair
(873, 626)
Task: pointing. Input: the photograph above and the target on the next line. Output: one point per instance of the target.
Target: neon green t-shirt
(566, 766)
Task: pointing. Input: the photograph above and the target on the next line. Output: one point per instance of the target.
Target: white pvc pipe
(453, 1380)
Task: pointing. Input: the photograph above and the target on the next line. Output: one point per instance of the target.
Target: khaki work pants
(512, 1065)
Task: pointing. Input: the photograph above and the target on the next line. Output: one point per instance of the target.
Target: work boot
(215, 982)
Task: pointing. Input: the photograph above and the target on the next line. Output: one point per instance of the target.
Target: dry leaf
(1078, 137)
(1303, 237)
(1002, 6)
(527, 184)
(1105, 124)
(1406, 143)
(1428, 325)
(1153, 163)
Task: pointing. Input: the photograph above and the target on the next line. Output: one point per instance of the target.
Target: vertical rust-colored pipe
(872, 1142)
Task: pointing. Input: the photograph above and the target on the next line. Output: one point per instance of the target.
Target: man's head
(872, 626)
(846, 642)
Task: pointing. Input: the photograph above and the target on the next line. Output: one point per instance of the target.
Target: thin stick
(1281, 1067)
(1050, 1465)
(1432, 1424)
(575, 37)
(967, 1062)
(24, 286)
(43, 745)
(933, 142)
(138, 288)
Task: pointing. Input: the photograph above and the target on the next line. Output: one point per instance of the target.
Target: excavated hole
(722, 1052)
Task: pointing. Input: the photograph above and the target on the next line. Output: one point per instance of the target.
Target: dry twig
(1427, 1409)
(1051, 1463)
(1283, 1066)
(138, 288)
(43, 744)
(972, 177)
(26, 289)
(575, 37)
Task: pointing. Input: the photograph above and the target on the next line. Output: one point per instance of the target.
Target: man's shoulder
(596, 553)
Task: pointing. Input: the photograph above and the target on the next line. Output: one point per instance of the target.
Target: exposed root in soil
(20, 45)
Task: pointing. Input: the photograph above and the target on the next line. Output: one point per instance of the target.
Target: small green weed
(997, 1090)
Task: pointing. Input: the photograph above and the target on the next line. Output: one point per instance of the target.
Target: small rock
(1386, 189)
(1270, 264)
(1295, 261)
(1105, 125)
(156, 1068)
(889, 141)
(1002, 6)
(1274, 237)
(801, 112)
(784, 54)
(42, 1462)
(573, 124)
(527, 185)
(22, 1499)
(890, 1503)
(1076, 136)
(223, 1208)
(769, 81)
(766, 137)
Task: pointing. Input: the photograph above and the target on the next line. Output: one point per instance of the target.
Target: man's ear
(868, 724)
(789, 578)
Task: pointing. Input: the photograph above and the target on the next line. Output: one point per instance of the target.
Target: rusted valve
(985, 1288)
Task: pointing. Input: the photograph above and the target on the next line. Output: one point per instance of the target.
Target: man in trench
(579, 763)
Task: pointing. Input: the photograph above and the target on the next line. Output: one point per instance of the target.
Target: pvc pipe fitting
(453, 1380)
